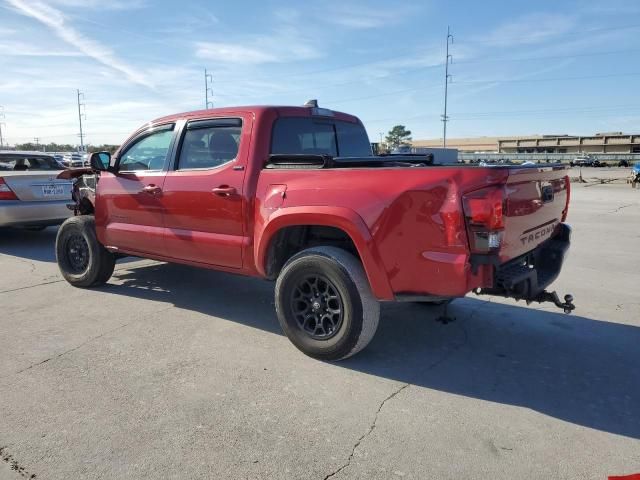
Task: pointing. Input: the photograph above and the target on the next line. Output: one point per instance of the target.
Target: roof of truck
(282, 110)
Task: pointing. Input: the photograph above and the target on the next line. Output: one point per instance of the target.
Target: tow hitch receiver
(552, 297)
(567, 306)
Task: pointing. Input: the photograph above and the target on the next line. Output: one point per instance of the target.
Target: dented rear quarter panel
(396, 217)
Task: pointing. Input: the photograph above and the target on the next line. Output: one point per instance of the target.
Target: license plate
(52, 190)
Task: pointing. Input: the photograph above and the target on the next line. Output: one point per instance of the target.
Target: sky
(518, 67)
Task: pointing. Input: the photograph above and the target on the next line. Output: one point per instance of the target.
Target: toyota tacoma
(295, 195)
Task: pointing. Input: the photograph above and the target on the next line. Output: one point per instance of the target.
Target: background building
(613, 142)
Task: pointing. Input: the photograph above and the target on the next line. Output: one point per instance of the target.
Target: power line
(550, 79)
(480, 60)
(473, 82)
(585, 111)
(521, 38)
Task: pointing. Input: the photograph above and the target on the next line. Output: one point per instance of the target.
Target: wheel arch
(339, 219)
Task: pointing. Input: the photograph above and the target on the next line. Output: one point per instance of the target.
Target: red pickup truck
(295, 195)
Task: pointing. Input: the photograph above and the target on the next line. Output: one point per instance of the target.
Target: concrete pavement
(174, 372)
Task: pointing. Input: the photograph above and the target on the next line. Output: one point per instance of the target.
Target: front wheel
(325, 305)
(83, 261)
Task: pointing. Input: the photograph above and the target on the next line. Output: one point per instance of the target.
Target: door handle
(152, 190)
(224, 191)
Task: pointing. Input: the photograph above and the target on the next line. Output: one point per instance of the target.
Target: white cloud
(101, 4)
(530, 29)
(232, 53)
(286, 44)
(5, 32)
(56, 21)
(20, 49)
(360, 16)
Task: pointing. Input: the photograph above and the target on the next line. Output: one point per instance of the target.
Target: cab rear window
(311, 136)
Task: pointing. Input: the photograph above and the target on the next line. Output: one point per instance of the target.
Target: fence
(543, 157)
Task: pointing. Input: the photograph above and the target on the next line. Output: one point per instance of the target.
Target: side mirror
(100, 161)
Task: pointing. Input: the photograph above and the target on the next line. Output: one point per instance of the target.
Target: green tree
(64, 147)
(398, 136)
(106, 147)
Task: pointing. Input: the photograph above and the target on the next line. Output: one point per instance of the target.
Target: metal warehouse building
(612, 142)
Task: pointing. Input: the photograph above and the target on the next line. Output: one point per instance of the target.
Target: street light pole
(80, 94)
(1, 124)
(447, 77)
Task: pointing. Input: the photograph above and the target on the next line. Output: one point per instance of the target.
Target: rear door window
(210, 143)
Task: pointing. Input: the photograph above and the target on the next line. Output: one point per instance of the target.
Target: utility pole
(80, 114)
(208, 82)
(447, 77)
(1, 125)
(37, 141)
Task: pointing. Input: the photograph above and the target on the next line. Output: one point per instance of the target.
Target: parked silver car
(72, 159)
(30, 194)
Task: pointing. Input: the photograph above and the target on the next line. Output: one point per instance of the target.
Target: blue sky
(518, 67)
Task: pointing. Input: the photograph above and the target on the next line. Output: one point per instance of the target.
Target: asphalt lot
(173, 372)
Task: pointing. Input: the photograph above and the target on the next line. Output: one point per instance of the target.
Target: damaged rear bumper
(527, 277)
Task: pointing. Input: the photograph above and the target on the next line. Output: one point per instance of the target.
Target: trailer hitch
(567, 306)
(552, 297)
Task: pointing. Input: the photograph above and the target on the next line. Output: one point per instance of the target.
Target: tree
(398, 136)
(106, 147)
(65, 147)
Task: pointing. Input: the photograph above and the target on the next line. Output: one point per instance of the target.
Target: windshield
(311, 136)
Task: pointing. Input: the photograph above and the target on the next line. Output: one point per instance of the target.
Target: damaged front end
(83, 192)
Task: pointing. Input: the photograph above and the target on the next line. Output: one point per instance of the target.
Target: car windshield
(312, 136)
(23, 163)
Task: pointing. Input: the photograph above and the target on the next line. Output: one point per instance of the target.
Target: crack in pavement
(86, 342)
(124, 267)
(395, 393)
(620, 208)
(6, 457)
(31, 286)
(367, 433)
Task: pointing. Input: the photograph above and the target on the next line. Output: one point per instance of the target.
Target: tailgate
(37, 186)
(536, 203)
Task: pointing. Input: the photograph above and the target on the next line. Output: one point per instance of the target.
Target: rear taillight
(5, 192)
(484, 214)
(565, 212)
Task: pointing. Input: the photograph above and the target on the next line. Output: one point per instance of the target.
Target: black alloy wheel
(77, 253)
(317, 307)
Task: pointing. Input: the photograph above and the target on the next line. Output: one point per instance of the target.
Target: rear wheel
(325, 305)
(83, 261)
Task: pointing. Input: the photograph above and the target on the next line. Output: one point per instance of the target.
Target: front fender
(339, 217)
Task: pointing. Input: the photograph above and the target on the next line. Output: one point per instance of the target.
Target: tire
(82, 260)
(343, 286)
